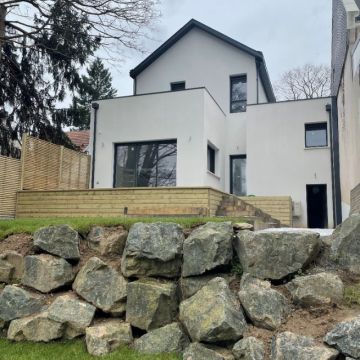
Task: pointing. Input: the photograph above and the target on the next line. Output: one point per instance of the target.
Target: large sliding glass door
(145, 164)
(238, 175)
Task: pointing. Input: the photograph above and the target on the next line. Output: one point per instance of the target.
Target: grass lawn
(29, 226)
(74, 350)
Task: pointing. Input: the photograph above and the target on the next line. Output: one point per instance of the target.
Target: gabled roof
(79, 138)
(264, 75)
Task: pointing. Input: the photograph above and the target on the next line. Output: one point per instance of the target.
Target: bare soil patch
(313, 322)
(22, 243)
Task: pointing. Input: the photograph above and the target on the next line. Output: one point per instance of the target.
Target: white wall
(277, 161)
(215, 135)
(200, 59)
(349, 126)
(174, 115)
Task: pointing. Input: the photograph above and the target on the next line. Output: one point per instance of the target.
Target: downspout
(95, 106)
(134, 86)
(257, 82)
(335, 160)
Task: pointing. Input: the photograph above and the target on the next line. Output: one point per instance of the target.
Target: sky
(290, 33)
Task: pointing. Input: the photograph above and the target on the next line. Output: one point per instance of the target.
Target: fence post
(60, 165)
(23, 159)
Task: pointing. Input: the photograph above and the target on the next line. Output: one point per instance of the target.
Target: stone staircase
(232, 206)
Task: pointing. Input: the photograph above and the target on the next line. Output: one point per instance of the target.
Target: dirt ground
(306, 322)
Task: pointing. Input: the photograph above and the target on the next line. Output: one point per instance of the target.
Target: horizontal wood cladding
(10, 175)
(279, 207)
(355, 200)
(114, 202)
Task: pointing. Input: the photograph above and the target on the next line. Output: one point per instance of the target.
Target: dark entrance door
(316, 197)
(238, 175)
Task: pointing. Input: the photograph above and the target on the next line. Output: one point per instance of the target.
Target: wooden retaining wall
(355, 200)
(279, 207)
(10, 174)
(174, 201)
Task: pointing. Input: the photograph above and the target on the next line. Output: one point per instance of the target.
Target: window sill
(214, 175)
(317, 147)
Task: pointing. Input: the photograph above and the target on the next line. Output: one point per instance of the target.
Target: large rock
(107, 336)
(151, 303)
(288, 346)
(213, 314)
(46, 272)
(168, 339)
(76, 314)
(198, 351)
(346, 337)
(249, 348)
(16, 302)
(60, 240)
(345, 244)
(35, 328)
(207, 247)
(319, 289)
(266, 307)
(101, 285)
(274, 255)
(6, 271)
(16, 261)
(107, 241)
(191, 285)
(153, 250)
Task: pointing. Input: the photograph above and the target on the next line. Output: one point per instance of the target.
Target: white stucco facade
(270, 135)
(199, 59)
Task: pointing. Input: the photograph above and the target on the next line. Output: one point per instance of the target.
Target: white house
(204, 113)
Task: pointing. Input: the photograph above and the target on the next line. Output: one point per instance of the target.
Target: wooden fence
(10, 178)
(46, 166)
(355, 200)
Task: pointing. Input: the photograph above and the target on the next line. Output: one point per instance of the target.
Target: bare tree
(306, 82)
(43, 46)
(110, 22)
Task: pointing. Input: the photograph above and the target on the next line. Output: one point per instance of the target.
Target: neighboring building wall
(174, 115)
(200, 60)
(339, 43)
(346, 86)
(278, 163)
(355, 200)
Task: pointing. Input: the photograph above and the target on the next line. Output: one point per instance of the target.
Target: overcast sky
(289, 32)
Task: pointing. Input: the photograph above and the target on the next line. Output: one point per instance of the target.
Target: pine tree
(96, 85)
(43, 44)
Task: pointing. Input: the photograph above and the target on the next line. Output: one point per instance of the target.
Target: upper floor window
(316, 135)
(238, 93)
(176, 86)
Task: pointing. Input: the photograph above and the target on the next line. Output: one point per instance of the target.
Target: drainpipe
(257, 82)
(95, 106)
(335, 160)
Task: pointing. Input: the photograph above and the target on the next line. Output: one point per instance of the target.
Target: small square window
(176, 86)
(211, 159)
(316, 135)
(238, 93)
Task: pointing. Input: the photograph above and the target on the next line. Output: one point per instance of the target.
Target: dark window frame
(232, 78)
(212, 166)
(137, 143)
(177, 83)
(233, 157)
(307, 127)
